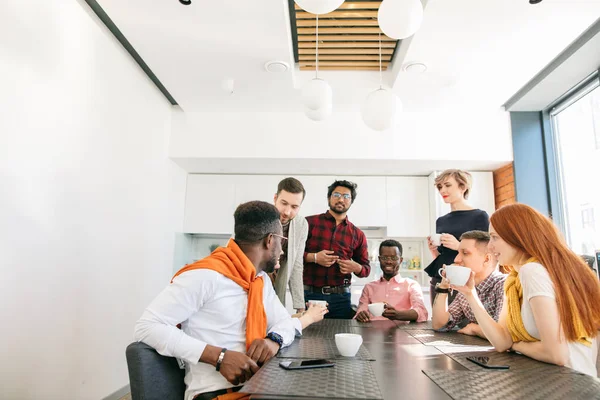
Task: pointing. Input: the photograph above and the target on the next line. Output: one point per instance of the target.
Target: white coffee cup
(376, 309)
(348, 343)
(456, 274)
(436, 239)
(320, 303)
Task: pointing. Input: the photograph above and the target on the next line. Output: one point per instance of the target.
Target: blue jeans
(338, 304)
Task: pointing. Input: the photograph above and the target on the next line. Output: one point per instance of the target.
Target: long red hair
(576, 286)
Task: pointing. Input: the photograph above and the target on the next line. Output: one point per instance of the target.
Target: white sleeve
(279, 319)
(176, 303)
(535, 281)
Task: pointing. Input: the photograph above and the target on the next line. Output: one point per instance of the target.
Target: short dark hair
(254, 220)
(291, 185)
(347, 184)
(391, 243)
(481, 238)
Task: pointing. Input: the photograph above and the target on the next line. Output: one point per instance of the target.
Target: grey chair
(152, 376)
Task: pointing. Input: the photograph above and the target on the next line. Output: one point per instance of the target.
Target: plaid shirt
(347, 242)
(491, 294)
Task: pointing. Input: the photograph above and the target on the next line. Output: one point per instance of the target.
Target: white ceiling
(479, 52)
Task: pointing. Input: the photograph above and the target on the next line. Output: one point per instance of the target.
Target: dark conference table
(411, 361)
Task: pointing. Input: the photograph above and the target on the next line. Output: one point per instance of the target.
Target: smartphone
(306, 364)
(485, 363)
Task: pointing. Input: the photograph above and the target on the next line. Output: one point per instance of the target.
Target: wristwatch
(438, 289)
(276, 338)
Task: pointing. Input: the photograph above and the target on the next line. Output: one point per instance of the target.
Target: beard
(338, 208)
(391, 274)
(271, 264)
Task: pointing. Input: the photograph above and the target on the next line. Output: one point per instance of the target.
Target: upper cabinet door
(369, 207)
(407, 206)
(209, 204)
(315, 201)
(256, 187)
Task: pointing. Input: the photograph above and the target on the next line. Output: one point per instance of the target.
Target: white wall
(89, 205)
(435, 135)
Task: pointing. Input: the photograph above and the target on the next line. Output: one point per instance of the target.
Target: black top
(456, 223)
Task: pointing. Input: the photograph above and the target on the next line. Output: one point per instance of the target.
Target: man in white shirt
(231, 321)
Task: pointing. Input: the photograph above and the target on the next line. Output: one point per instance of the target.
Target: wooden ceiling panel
(349, 38)
(337, 45)
(325, 51)
(353, 5)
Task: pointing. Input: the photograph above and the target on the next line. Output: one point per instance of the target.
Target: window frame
(554, 166)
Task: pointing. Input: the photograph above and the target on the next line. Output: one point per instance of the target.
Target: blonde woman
(454, 185)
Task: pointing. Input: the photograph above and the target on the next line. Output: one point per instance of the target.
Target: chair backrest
(152, 376)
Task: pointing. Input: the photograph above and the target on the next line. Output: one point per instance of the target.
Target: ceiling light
(319, 6)
(415, 67)
(400, 19)
(317, 94)
(381, 105)
(276, 66)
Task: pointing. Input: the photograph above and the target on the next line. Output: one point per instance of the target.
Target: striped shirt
(491, 294)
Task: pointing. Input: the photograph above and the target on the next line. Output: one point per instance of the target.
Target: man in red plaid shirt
(335, 249)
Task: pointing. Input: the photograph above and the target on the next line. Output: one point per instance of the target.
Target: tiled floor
(126, 397)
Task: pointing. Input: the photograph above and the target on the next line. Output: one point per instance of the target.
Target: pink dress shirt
(401, 293)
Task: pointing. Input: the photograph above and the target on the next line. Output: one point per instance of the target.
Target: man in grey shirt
(288, 199)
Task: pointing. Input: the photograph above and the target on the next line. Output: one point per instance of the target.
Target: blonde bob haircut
(463, 178)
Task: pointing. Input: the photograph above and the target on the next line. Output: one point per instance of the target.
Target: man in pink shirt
(403, 297)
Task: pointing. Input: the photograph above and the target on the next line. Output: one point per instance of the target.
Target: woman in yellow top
(551, 308)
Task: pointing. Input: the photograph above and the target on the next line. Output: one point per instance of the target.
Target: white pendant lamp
(381, 105)
(320, 114)
(400, 19)
(317, 95)
(319, 6)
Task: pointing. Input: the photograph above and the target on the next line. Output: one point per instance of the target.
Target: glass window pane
(578, 144)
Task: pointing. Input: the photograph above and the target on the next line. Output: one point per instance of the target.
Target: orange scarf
(231, 262)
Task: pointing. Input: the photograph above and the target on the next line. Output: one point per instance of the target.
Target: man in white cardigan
(288, 199)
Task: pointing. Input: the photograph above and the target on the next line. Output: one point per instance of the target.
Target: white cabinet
(315, 201)
(370, 207)
(209, 204)
(256, 187)
(407, 206)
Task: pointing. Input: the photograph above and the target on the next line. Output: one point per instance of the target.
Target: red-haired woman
(551, 308)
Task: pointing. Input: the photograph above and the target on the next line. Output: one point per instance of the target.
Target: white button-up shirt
(211, 310)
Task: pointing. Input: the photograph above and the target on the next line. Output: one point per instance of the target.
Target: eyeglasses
(337, 195)
(386, 258)
(283, 238)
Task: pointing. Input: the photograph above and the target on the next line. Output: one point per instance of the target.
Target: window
(576, 132)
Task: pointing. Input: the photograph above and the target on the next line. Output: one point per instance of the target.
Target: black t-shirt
(456, 223)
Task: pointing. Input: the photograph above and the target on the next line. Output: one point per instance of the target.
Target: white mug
(320, 303)
(376, 309)
(456, 274)
(436, 239)
(348, 343)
